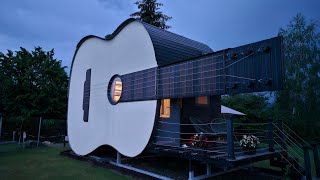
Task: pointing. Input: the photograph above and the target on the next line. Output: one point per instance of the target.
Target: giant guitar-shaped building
(123, 85)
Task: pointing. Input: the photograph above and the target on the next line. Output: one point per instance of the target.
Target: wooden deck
(216, 155)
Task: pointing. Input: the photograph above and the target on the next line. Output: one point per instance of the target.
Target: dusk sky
(60, 24)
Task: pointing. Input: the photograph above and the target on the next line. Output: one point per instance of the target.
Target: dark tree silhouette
(300, 99)
(149, 13)
(33, 84)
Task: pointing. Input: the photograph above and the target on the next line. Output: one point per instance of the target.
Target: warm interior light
(116, 89)
(202, 100)
(165, 108)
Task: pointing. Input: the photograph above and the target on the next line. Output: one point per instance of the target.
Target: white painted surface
(226, 110)
(126, 126)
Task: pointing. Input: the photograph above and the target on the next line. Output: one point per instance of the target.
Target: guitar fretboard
(251, 68)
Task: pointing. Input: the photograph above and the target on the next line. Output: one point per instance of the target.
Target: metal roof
(171, 48)
(227, 110)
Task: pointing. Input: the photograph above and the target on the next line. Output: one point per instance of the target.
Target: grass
(46, 163)
(294, 152)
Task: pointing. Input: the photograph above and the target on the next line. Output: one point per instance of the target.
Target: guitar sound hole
(114, 89)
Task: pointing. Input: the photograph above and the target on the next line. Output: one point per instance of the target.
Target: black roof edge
(86, 38)
(109, 36)
(119, 28)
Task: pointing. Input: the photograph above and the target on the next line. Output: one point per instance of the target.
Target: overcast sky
(60, 24)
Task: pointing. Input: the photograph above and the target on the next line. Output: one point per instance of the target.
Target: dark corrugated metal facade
(171, 48)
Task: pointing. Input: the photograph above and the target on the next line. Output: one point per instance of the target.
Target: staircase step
(278, 163)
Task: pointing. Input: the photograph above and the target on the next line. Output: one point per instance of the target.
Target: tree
(33, 84)
(149, 13)
(253, 105)
(300, 99)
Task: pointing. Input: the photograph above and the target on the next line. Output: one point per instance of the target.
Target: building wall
(172, 135)
(205, 113)
(202, 113)
(180, 114)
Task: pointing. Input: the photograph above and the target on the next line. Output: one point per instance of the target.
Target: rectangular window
(165, 108)
(202, 100)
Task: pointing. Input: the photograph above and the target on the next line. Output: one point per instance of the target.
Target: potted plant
(199, 140)
(249, 143)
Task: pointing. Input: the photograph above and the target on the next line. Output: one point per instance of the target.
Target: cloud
(56, 24)
(60, 24)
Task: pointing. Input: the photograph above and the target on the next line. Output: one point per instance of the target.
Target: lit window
(165, 108)
(202, 100)
(115, 90)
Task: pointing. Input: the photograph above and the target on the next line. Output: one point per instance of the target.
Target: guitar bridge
(86, 96)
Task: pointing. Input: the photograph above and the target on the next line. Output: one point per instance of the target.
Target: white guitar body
(98, 65)
(127, 127)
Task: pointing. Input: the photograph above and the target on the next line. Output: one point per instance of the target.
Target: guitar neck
(250, 68)
(202, 76)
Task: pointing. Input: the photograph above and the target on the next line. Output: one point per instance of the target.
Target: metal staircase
(296, 153)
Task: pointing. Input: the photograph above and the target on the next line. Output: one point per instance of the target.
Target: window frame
(166, 114)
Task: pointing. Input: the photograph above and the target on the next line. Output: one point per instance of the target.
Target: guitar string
(195, 85)
(102, 99)
(148, 88)
(153, 73)
(168, 84)
(182, 90)
(206, 65)
(188, 80)
(171, 93)
(182, 63)
(151, 93)
(161, 84)
(164, 74)
(140, 82)
(156, 96)
(170, 89)
(201, 72)
(163, 69)
(144, 72)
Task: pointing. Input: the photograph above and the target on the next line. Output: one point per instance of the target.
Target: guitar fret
(183, 79)
(207, 75)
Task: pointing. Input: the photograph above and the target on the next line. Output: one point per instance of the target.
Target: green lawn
(47, 163)
(294, 152)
